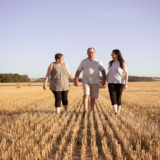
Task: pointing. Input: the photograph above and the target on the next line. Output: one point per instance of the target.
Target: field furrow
(31, 129)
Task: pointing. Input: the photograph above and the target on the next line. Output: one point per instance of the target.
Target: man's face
(91, 53)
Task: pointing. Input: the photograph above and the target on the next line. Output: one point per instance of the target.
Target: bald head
(91, 53)
(90, 48)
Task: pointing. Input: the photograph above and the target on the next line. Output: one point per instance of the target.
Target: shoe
(116, 114)
(84, 113)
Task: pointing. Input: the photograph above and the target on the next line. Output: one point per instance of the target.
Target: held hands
(103, 82)
(76, 83)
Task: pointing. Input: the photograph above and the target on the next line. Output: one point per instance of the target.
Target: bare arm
(104, 77)
(107, 77)
(126, 77)
(76, 83)
(68, 73)
(47, 76)
(70, 76)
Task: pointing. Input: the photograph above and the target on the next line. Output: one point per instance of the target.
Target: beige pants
(91, 89)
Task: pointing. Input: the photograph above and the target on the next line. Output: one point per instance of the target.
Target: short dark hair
(58, 56)
(90, 48)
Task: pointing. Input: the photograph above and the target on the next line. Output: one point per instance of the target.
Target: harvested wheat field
(30, 128)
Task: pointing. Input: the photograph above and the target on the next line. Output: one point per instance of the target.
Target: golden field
(30, 128)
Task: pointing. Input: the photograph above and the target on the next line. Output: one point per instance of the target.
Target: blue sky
(33, 31)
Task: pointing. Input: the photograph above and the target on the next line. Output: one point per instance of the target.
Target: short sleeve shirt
(91, 70)
(116, 74)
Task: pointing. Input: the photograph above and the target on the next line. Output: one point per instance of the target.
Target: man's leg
(85, 103)
(92, 102)
(94, 94)
(86, 90)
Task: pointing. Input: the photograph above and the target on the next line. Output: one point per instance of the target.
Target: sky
(33, 31)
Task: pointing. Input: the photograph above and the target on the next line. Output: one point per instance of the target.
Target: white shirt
(116, 74)
(91, 70)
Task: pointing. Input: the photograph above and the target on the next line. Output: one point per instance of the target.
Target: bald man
(91, 78)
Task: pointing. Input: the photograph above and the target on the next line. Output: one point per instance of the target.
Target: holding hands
(76, 82)
(103, 82)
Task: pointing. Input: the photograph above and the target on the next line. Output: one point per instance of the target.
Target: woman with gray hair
(59, 83)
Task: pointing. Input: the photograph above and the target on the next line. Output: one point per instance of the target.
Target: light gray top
(91, 70)
(116, 74)
(59, 78)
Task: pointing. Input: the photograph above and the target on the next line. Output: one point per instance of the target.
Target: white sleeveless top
(116, 74)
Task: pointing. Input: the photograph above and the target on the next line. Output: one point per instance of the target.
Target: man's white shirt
(91, 70)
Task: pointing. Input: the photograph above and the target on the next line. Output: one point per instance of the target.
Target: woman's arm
(47, 76)
(107, 77)
(69, 74)
(126, 77)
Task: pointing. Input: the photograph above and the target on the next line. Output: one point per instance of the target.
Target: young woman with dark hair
(117, 79)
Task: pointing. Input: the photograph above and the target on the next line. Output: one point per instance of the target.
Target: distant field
(22, 84)
(30, 128)
(26, 84)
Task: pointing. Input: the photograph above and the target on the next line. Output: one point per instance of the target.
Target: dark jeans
(60, 96)
(115, 91)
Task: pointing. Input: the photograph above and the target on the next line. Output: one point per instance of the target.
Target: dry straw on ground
(30, 128)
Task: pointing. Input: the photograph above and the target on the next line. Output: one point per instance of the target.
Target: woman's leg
(58, 109)
(65, 99)
(57, 95)
(119, 94)
(112, 93)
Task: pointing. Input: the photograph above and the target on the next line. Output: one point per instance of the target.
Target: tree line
(14, 78)
(24, 78)
(139, 79)
(130, 79)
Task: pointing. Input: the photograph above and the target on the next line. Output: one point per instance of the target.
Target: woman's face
(60, 60)
(114, 56)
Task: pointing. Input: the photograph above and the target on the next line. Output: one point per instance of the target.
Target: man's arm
(79, 70)
(104, 77)
(76, 83)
